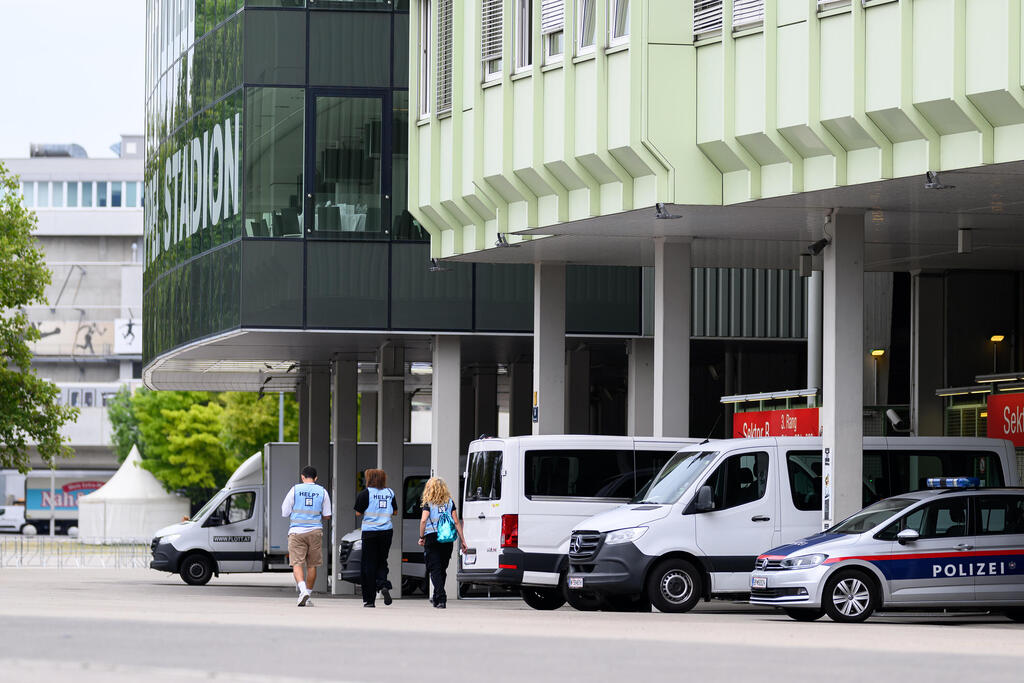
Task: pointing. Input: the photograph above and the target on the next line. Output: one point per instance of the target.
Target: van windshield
(483, 476)
(209, 504)
(675, 477)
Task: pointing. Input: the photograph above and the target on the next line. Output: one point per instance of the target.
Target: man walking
(306, 505)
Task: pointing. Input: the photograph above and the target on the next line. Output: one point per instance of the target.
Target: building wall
(793, 97)
(89, 228)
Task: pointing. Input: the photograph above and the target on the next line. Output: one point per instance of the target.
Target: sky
(73, 71)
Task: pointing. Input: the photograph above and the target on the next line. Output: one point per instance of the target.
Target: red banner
(788, 422)
(1006, 417)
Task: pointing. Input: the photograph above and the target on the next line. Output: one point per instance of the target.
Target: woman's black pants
(437, 556)
(374, 567)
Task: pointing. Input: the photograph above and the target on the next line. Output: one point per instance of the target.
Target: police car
(952, 545)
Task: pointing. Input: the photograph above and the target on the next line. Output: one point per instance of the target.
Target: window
(87, 194)
(42, 194)
(74, 397)
(425, 79)
(552, 20)
(101, 194)
(618, 21)
(483, 479)
(586, 13)
(131, 196)
(707, 18)
(88, 398)
(115, 194)
(910, 470)
(747, 13)
(579, 474)
(58, 195)
(72, 195)
(491, 38)
(741, 479)
(107, 397)
(804, 469)
(648, 465)
(999, 515)
(28, 191)
(524, 34)
(444, 56)
(939, 519)
(237, 507)
(412, 493)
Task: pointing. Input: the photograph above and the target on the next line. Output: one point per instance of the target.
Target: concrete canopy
(907, 227)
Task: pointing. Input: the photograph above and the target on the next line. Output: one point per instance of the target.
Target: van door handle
(481, 516)
(965, 546)
(760, 518)
(248, 530)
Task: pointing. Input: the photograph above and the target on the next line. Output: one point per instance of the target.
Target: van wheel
(29, 530)
(804, 614)
(849, 597)
(542, 598)
(196, 570)
(674, 586)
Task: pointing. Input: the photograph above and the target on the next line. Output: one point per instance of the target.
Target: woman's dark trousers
(437, 556)
(374, 567)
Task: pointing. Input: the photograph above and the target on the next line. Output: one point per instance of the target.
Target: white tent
(128, 508)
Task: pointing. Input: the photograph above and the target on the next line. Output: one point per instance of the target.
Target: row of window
(436, 39)
(73, 194)
(86, 398)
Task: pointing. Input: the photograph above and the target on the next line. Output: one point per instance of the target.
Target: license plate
(575, 582)
(758, 582)
(469, 558)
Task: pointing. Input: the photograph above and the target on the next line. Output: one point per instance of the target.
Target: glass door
(347, 181)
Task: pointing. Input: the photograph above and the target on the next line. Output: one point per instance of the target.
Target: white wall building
(90, 229)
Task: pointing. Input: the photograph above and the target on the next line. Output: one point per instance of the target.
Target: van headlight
(169, 538)
(357, 545)
(625, 535)
(803, 561)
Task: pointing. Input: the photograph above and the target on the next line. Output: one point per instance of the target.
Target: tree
(192, 440)
(29, 411)
(125, 428)
(249, 422)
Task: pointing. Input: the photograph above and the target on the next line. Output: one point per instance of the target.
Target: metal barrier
(64, 553)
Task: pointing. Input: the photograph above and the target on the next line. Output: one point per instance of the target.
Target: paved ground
(128, 625)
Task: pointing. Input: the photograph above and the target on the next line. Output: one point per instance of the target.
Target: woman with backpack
(439, 529)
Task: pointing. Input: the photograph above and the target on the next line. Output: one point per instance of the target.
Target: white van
(524, 494)
(696, 531)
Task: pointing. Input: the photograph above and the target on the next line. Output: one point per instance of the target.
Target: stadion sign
(196, 188)
(1006, 418)
(786, 422)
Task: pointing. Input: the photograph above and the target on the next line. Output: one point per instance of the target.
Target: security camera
(816, 248)
(897, 422)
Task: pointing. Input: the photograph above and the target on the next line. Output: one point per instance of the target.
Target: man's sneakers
(387, 595)
(304, 600)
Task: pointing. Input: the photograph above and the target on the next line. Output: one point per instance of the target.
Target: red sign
(1006, 417)
(788, 422)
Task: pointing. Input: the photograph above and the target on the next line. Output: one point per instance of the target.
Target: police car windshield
(872, 516)
(675, 477)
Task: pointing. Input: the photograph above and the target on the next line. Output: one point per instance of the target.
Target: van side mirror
(704, 499)
(907, 536)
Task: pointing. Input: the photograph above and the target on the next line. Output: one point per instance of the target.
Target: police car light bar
(953, 482)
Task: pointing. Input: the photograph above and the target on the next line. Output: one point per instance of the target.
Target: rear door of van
(564, 483)
(488, 495)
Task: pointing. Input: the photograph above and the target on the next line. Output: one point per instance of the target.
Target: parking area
(120, 625)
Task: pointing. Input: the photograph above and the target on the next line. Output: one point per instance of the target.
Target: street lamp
(875, 355)
(995, 339)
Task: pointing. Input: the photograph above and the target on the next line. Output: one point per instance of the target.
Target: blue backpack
(446, 531)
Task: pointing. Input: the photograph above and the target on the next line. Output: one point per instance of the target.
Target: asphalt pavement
(129, 625)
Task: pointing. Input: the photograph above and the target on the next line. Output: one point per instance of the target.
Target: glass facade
(276, 184)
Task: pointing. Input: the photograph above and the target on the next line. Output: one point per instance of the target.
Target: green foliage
(249, 422)
(192, 440)
(125, 433)
(28, 404)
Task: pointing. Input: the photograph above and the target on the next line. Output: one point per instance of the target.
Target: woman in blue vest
(437, 554)
(376, 504)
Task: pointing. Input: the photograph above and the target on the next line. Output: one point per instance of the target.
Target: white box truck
(241, 528)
